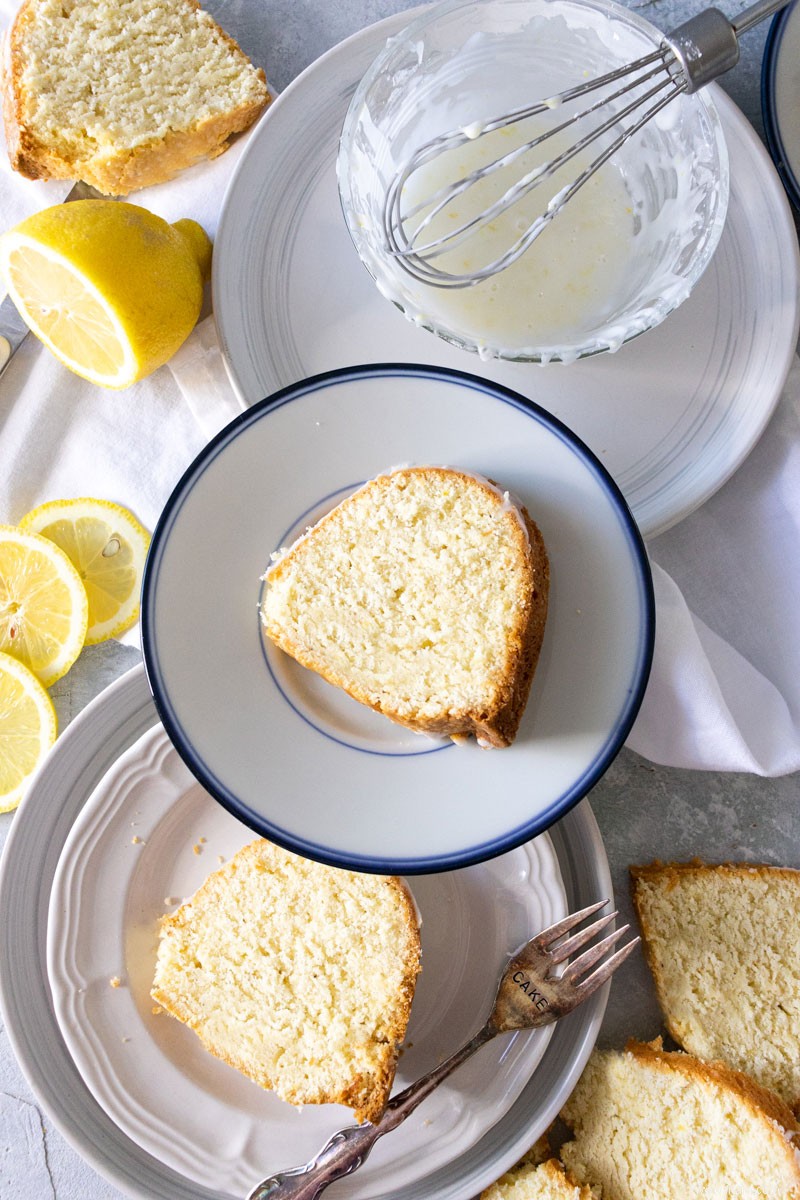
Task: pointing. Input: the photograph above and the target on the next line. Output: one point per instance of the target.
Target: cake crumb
(156, 1010)
(115, 981)
(197, 848)
(136, 840)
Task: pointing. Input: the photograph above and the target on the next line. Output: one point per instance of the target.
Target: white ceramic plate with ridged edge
(86, 750)
(149, 836)
(297, 759)
(671, 415)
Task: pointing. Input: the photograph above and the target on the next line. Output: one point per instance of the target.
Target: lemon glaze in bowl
(625, 252)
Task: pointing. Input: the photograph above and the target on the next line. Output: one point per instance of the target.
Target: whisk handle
(708, 45)
(755, 14)
(705, 46)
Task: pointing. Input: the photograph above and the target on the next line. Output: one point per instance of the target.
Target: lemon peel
(200, 243)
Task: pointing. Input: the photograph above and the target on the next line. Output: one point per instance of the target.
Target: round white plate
(671, 415)
(780, 97)
(84, 753)
(295, 758)
(147, 838)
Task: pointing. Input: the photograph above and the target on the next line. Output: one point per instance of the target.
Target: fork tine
(592, 982)
(554, 932)
(581, 938)
(582, 964)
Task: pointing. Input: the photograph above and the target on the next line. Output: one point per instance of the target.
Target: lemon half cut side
(28, 729)
(67, 312)
(108, 546)
(43, 607)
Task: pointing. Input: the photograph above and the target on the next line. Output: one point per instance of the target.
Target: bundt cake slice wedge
(299, 975)
(423, 595)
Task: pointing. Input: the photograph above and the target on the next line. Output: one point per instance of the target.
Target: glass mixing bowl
(623, 253)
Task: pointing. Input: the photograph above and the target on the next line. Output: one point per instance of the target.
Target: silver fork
(530, 994)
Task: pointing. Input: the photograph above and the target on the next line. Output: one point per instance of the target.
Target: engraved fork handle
(349, 1148)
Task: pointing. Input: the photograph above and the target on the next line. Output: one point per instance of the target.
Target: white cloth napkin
(724, 692)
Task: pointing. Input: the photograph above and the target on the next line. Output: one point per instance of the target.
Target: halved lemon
(112, 289)
(43, 607)
(27, 729)
(107, 545)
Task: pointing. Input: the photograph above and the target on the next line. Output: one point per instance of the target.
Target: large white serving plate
(147, 838)
(295, 758)
(84, 754)
(671, 415)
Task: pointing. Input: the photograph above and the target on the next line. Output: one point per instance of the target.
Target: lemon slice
(43, 605)
(112, 289)
(27, 729)
(108, 547)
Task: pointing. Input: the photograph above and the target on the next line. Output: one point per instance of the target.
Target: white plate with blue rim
(780, 97)
(297, 760)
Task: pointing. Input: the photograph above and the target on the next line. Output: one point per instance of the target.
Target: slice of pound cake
(547, 1181)
(122, 93)
(722, 944)
(423, 595)
(299, 975)
(537, 1176)
(653, 1125)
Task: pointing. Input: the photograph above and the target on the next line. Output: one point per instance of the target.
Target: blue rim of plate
(772, 131)
(327, 854)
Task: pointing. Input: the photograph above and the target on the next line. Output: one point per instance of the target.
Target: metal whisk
(695, 53)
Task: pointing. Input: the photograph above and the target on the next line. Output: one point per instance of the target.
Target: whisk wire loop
(417, 258)
(522, 187)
